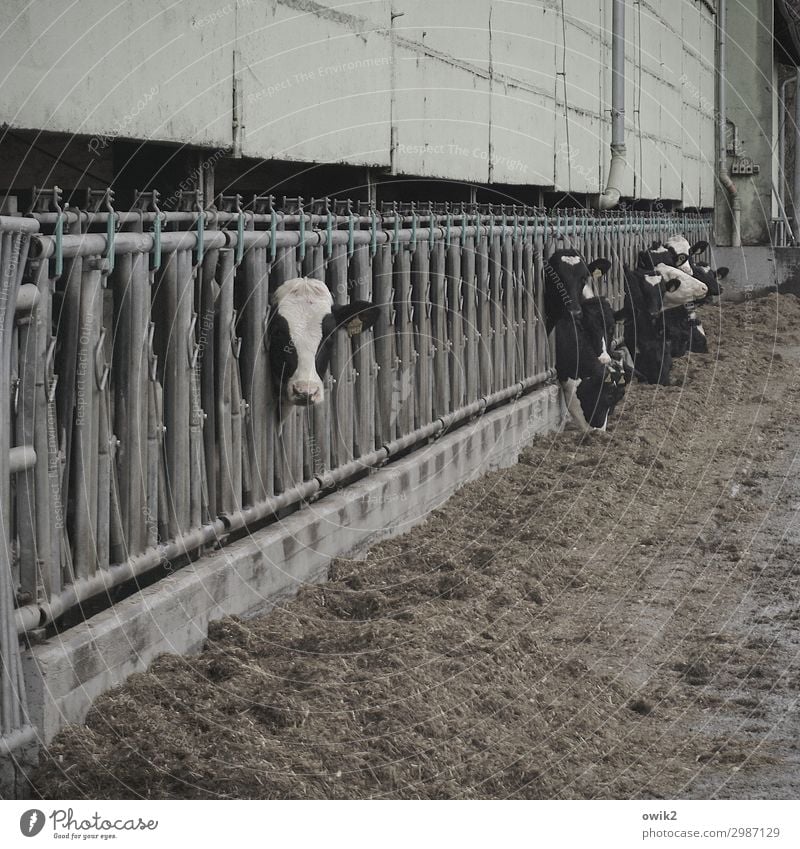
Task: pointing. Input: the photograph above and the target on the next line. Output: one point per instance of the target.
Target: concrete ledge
(758, 270)
(66, 673)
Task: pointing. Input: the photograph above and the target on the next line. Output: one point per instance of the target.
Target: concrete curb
(65, 674)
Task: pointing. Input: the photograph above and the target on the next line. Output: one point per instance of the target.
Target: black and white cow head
(569, 281)
(647, 289)
(302, 324)
(666, 261)
(684, 252)
(710, 276)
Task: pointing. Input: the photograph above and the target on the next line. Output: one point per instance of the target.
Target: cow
(645, 326)
(583, 322)
(698, 343)
(300, 332)
(600, 390)
(672, 262)
(687, 333)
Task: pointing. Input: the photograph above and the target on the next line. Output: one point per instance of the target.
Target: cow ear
(722, 273)
(698, 248)
(355, 317)
(599, 267)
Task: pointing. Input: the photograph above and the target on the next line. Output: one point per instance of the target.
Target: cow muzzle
(305, 394)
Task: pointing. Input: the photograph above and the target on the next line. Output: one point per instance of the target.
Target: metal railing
(17, 459)
(144, 422)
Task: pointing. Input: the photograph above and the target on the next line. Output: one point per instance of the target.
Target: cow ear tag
(354, 326)
(597, 273)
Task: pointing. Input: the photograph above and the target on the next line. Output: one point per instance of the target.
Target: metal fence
(136, 383)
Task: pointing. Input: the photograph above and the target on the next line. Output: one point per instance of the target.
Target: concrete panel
(578, 165)
(65, 674)
(443, 119)
(460, 31)
(315, 87)
(523, 112)
(142, 70)
(523, 135)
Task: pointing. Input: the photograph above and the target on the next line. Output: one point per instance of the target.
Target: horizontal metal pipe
(35, 616)
(94, 244)
(17, 224)
(21, 458)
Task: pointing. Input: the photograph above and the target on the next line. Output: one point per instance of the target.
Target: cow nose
(305, 394)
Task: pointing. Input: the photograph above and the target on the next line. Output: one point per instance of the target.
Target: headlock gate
(138, 420)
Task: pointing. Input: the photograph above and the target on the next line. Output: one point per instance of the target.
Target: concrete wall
(473, 90)
(751, 105)
(756, 270)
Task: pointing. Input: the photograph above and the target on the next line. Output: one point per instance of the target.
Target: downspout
(722, 124)
(610, 197)
(796, 186)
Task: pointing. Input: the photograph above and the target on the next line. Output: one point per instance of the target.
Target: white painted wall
(473, 88)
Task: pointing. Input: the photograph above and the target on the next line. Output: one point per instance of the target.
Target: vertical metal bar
(508, 313)
(283, 268)
(496, 296)
(255, 373)
(364, 356)
(176, 288)
(484, 320)
(518, 335)
(197, 489)
(441, 372)
(226, 493)
(384, 343)
(12, 697)
(84, 465)
(423, 341)
(131, 289)
(206, 361)
(530, 316)
(32, 505)
(104, 461)
(341, 366)
(470, 296)
(455, 325)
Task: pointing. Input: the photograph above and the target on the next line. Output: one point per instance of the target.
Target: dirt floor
(615, 617)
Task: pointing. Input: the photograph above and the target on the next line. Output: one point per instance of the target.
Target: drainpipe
(610, 197)
(796, 187)
(722, 123)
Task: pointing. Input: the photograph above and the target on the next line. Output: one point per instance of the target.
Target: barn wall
(477, 91)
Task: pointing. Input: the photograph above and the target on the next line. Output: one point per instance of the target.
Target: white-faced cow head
(683, 251)
(682, 287)
(301, 329)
